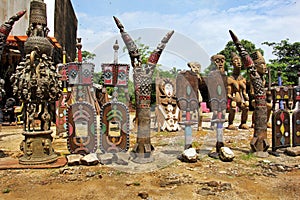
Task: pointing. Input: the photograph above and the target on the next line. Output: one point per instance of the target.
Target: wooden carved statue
(81, 115)
(281, 133)
(167, 111)
(236, 93)
(218, 63)
(259, 143)
(260, 65)
(114, 116)
(142, 75)
(296, 114)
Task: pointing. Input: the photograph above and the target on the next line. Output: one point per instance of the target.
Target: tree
(230, 47)
(288, 61)
(87, 56)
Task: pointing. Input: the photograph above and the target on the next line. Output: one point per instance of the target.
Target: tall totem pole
(142, 75)
(37, 84)
(259, 143)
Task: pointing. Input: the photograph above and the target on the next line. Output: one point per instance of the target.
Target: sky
(201, 26)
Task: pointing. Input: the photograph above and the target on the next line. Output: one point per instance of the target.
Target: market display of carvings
(259, 143)
(142, 75)
(237, 94)
(37, 84)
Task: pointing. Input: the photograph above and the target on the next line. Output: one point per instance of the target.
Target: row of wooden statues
(168, 113)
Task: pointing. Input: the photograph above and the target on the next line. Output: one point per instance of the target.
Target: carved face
(169, 89)
(236, 62)
(261, 67)
(219, 61)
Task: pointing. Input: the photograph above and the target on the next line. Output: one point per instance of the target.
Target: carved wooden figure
(281, 117)
(236, 93)
(296, 114)
(142, 75)
(187, 99)
(114, 117)
(259, 143)
(167, 111)
(218, 63)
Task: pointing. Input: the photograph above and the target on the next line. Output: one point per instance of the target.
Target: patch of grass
(196, 145)
(6, 190)
(247, 157)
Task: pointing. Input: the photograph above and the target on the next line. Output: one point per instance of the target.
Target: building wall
(65, 17)
(61, 20)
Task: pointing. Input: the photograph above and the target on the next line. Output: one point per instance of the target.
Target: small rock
(143, 195)
(190, 155)
(293, 151)
(106, 159)
(266, 161)
(261, 154)
(226, 154)
(74, 159)
(90, 174)
(226, 186)
(212, 184)
(90, 159)
(280, 168)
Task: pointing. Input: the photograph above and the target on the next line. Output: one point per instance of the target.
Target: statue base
(37, 148)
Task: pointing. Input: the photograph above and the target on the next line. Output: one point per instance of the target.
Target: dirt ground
(246, 177)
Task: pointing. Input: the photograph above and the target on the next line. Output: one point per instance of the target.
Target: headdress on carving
(257, 57)
(234, 56)
(195, 66)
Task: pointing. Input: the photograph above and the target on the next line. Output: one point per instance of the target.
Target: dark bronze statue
(236, 93)
(37, 84)
(259, 143)
(142, 75)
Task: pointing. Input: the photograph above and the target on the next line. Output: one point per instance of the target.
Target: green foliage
(97, 78)
(230, 47)
(87, 56)
(288, 61)
(143, 50)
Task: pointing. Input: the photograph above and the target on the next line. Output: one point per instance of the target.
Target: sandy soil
(247, 177)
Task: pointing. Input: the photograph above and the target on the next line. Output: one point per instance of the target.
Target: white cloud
(257, 22)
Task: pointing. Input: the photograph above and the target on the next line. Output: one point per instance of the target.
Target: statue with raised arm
(142, 75)
(7, 27)
(259, 143)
